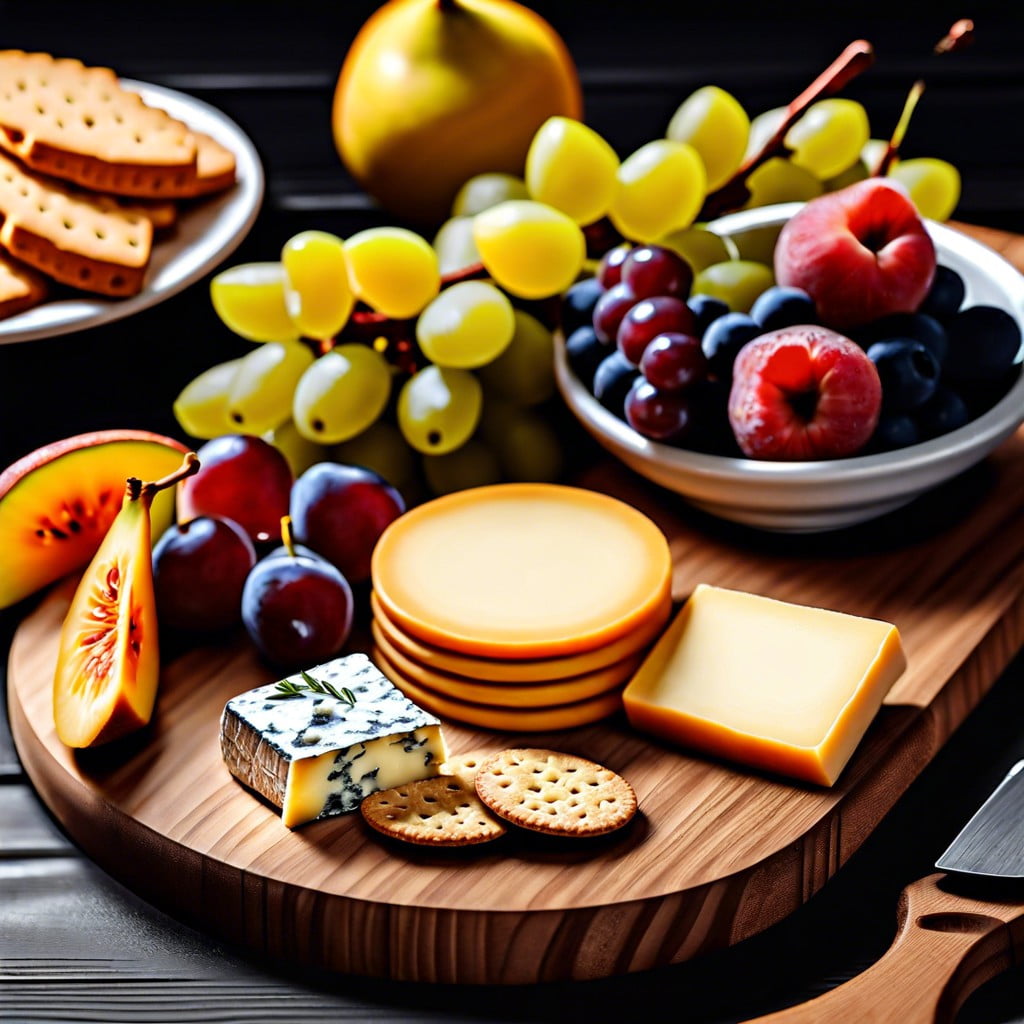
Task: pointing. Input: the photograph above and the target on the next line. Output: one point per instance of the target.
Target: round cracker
(439, 811)
(555, 793)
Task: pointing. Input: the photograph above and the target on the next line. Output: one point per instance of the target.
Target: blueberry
(943, 412)
(706, 309)
(916, 326)
(613, 378)
(983, 343)
(908, 371)
(946, 294)
(584, 350)
(723, 340)
(781, 306)
(578, 304)
(895, 430)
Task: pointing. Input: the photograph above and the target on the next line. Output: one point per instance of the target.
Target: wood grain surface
(717, 853)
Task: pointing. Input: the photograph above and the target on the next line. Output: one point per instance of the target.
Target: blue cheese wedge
(316, 756)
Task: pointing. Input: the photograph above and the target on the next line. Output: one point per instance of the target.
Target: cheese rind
(314, 756)
(781, 687)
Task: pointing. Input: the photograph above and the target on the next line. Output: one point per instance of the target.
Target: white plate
(207, 231)
(822, 495)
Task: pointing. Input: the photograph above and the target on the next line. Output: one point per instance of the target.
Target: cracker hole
(453, 787)
(137, 137)
(84, 274)
(533, 805)
(69, 98)
(116, 281)
(133, 242)
(425, 817)
(21, 86)
(68, 224)
(23, 190)
(40, 109)
(534, 789)
(100, 234)
(430, 799)
(60, 123)
(118, 119)
(89, 122)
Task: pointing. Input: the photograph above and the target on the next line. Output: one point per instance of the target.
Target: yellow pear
(433, 92)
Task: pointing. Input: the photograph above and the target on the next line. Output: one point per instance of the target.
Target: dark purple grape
(199, 569)
(577, 308)
(340, 512)
(908, 371)
(610, 309)
(943, 412)
(781, 306)
(915, 326)
(649, 318)
(651, 270)
(894, 430)
(609, 270)
(297, 610)
(660, 415)
(674, 362)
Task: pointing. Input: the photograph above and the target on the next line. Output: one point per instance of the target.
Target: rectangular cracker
(70, 238)
(215, 166)
(79, 124)
(21, 287)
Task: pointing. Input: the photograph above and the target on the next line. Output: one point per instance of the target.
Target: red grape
(673, 361)
(609, 270)
(199, 569)
(610, 309)
(297, 610)
(649, 318)
(340, 511)
(661, 415)
(650, 270)
(242, 478)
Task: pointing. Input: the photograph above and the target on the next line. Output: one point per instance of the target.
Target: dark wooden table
(74, 944)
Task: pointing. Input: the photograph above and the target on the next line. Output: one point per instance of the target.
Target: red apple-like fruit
(803, 392)
(861, 253)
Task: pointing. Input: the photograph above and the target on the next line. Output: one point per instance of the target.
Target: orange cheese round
(509, 695)
(543, 719)
(522, 571)
(531, 670)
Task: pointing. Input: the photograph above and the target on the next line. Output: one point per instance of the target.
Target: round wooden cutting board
(715, 854)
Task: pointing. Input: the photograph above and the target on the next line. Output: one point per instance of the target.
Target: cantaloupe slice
(57, 503)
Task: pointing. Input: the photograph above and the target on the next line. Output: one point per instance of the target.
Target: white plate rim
(220, 222)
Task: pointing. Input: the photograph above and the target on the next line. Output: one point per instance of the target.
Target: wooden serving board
(716, 853)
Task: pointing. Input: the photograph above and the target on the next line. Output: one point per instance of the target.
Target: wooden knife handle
(945, 947)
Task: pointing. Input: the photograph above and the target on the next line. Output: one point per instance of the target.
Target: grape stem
(136, 489)
(899, 132)
(857, 57)
(961, 34)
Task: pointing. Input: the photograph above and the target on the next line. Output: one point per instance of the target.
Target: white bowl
(827, 494)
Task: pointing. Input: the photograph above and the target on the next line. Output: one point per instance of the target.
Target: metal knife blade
(991, 844)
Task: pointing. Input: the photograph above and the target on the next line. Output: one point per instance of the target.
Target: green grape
(527, 446)
(524, 373)
(756, 244)
(472, 465)
(933, 184)
(762, 128)
(439, 408)
(530, 249)
(393, 270)
(466, 326)
(857, 171)
(260, 397)
(382, 448)
(300, 452)
(249, 299)
(341, 394)
(736, 282)
(778, 180)
(716, 125)
(698, 246)
(454, 245)
(570, 167)
(483, 191)
(316, 291)
(829, 136)
(202, 405)
(661, 189)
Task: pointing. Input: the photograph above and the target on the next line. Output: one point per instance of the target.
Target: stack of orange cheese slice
(519, 607)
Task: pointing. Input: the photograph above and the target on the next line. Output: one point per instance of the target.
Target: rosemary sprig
(289, 688)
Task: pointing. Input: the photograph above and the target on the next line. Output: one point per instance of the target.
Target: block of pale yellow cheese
(781, 687)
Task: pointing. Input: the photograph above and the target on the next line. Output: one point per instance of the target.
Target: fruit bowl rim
(992, 426)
